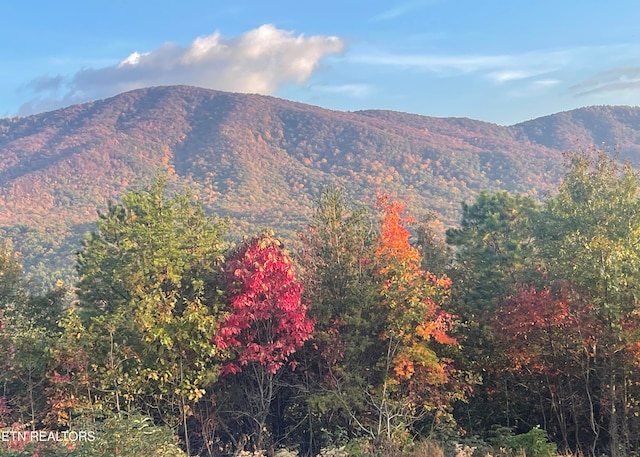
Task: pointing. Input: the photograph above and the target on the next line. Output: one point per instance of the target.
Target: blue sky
(494, 60)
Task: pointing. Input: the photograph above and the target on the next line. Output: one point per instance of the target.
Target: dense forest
(367, 334)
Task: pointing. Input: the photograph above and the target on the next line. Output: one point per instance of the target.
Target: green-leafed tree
(568, 339)
(11, 277)
(493, 247)
(150, 302)
(337, 255)
(435, 253)
(28, 330)
(493, 250)
(589, 236)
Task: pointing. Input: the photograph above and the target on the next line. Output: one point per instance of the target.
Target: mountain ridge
(263, 160)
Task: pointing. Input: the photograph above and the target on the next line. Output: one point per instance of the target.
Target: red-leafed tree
(266, 324)
(536, 327)
(588, 234)
(550, 339)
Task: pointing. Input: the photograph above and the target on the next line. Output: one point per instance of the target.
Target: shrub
(535, 443)
(334, 452)
(130, 436)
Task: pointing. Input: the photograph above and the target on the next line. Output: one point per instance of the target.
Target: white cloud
(259, 61)
(497, 67)
(525, 74)
(133, 59)
(547, 82)
(529, 73)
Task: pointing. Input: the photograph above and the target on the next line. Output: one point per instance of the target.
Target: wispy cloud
(614, 80)
(524, 75)
(504, 76)
(350, 90)
(259, 61)
(46, 83)
(434, 63)
(534, 88)
(499, 67)
(531, 73)
(547, 82)
(400, 10)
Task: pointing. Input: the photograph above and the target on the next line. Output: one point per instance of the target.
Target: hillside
(262, 160)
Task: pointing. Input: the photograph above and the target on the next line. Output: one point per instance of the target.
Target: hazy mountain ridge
(618, 127)
(262, 160)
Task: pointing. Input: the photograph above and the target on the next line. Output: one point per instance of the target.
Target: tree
(547, 334)
(570, 334)
(11, 276)
(28, 328)
(435, 252)
(265, 326)
(494, 250)
(588, 236)
(377, 370)
(151, 303)
(411, 370)
(337, 256)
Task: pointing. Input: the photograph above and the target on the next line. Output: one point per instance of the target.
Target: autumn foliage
(540, 327)
(529, 318)
(411, 295)
(412, 365)
(267, 320)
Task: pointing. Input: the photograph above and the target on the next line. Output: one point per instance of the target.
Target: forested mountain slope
(262, 160)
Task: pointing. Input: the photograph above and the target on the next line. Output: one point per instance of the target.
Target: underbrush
(136, 436)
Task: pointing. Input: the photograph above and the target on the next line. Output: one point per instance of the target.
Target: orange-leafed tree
(379, 363)
(415, 327)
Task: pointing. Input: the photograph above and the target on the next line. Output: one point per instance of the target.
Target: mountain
(618, 127)
(262, 160)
